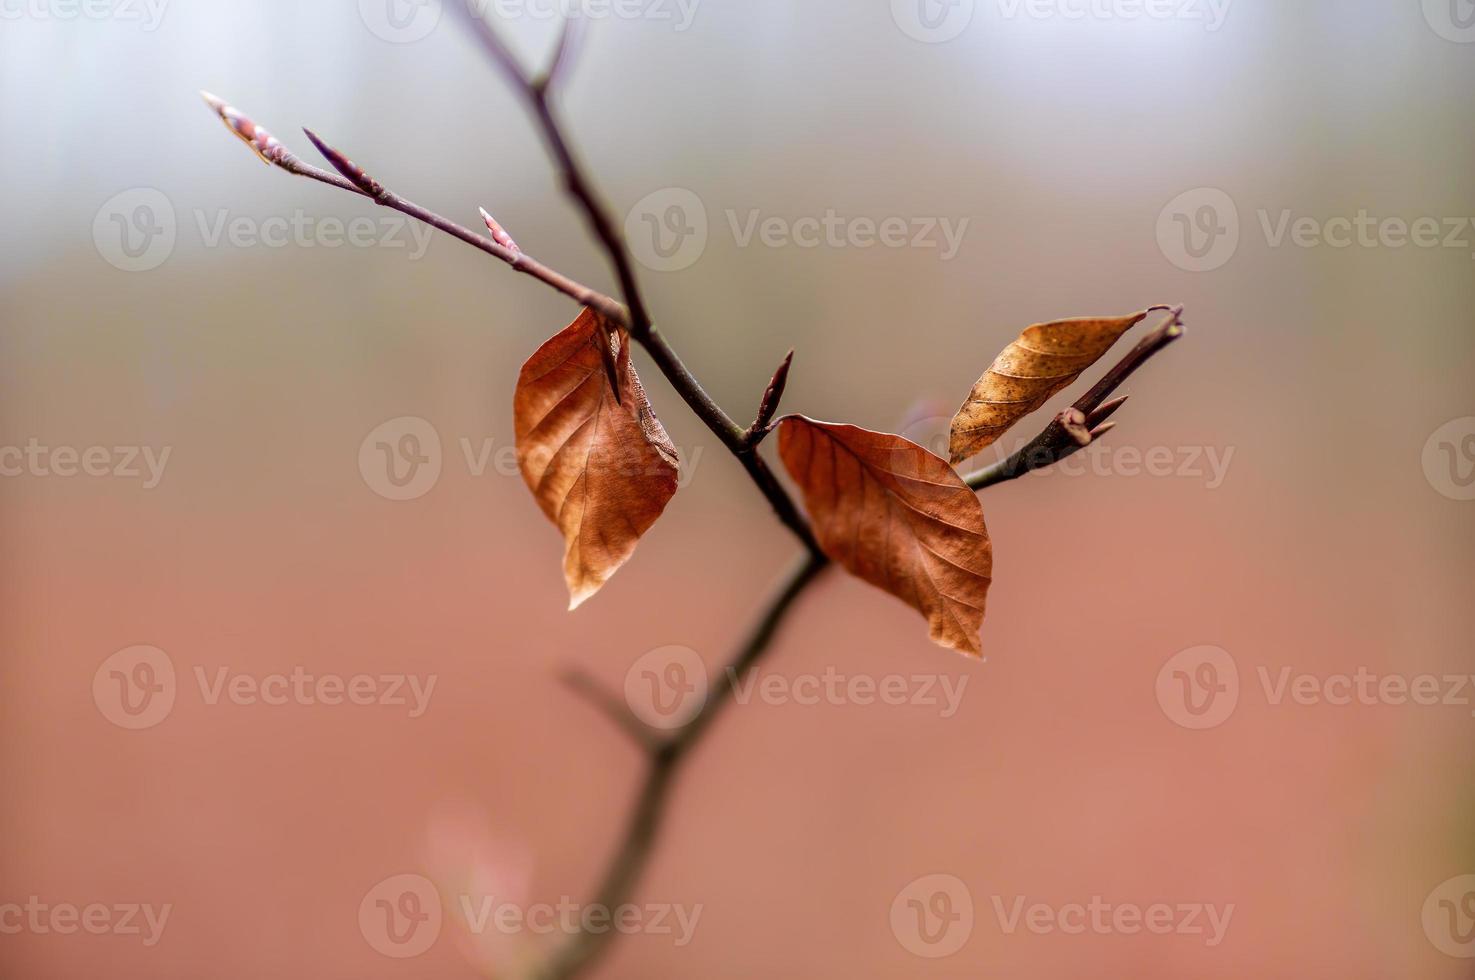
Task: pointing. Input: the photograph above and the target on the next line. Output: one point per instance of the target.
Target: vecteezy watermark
(667, 687)
(1449, 917)
(669, 230)
(1100, 917)
(1449, 459)
(400, 917)
(408, 21)
(486, 913)
(1453, 20)
(1200, 688)
(403, 459)
(137, 230)
(678, 13)
(400, 21)
(137, 687)
(403, 915)
(34, 459)
(42, 918)
(1199, 230)
(1211, 13)
(933, 21)
(834, 688)
(938, 21)
(1208, 465)
(932, 917)
(148, 14)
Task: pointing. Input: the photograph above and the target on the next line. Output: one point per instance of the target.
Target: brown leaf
(897, 516)
(601, 469)
(1046, 358)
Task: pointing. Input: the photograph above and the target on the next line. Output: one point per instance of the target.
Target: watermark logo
(1104, 918)
(138, 230)
(135, 230)
(135, 687)
(485, 913)
(1449, 459)
(1453, 20)
(668, 229)
(1449, 917)
(1211, 13)
(401, 916)
(932, 21)
(96, 919)
(1199, 687)
(401, 459)
(34, 459)
(933, 916)
(667, 687)
(939, 692)
(149, 14)
(1198, 231)
(400, 21)
(678, 13)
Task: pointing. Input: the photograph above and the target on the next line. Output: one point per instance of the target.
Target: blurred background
(1223, 651)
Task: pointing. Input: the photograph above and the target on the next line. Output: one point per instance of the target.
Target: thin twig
(1062, 437)
(612, 706)
(768, 407)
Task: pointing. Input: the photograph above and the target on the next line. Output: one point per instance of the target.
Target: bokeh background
(1081, 150)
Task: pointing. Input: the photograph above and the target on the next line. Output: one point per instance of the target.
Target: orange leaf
(898, 517)
(602, 469)
(1046, 358)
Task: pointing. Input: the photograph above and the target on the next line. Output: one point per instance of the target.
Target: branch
(768, 407)
(664, 760)
(611, 706)
(356, 181)
(1084, 422)
(536, 93)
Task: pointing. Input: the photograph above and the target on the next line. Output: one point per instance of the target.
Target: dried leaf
(602, 469)
(897, 516)
(1046, 358)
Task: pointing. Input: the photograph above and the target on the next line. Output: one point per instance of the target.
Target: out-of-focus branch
(663, 759)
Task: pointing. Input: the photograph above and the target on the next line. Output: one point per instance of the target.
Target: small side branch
(612, 706)
(768, 407)
(1086, 421)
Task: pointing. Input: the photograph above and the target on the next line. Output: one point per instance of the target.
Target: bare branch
(768, 407)
(582, 949)
(564, 53)
(1084, 420)
(611, 706)
(653, 341)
